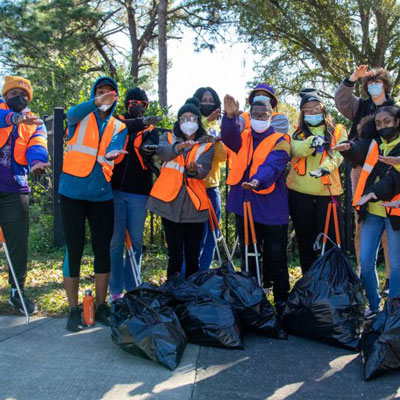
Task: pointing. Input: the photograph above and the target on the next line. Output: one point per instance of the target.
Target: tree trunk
(134, 41)
(162, 53)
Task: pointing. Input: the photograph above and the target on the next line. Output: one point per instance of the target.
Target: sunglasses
(136, 103)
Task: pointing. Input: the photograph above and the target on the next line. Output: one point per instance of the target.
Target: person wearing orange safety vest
(23, 149)
(314, 174)
(132, 181)
(257, 175)
(179, 193)
(264, 92)
(95, 139)
(377, 197)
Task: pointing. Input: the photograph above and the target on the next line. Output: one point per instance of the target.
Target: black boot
(385, 290)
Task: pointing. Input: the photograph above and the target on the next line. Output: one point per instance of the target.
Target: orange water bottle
(88, 308)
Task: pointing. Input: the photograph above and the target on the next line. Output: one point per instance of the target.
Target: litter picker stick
(332, 208)
(3, 242)
(212, 226)
(246, 236)
(132, 259)
(254, 240)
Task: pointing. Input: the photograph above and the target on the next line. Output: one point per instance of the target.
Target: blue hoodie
(93, 187)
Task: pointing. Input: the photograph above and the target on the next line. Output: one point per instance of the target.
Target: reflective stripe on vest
(84, 149)
(301, 164)
(172, 177)
(369, 164)
(245, 157)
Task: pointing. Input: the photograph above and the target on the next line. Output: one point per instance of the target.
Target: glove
(319, 172)
(152, 120)
(317, 142)
(150, 149)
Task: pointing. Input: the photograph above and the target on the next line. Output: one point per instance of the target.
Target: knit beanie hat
(308, 95)
(17, 82)
(192, 105)
(135, 94)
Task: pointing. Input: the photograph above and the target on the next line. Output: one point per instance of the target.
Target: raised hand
(250, 185)
(231, 106)
(106, 99)
(214, 115)
(360, 72)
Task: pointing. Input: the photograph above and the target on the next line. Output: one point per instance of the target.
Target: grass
(44, 280)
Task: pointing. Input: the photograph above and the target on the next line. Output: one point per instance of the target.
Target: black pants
(183, 237)
(272, 243)
(308, 214)
(100, 215)
(14, 220)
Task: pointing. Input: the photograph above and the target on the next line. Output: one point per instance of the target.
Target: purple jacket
(270, 209)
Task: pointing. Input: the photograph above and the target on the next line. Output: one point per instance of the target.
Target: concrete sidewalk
(44, 361)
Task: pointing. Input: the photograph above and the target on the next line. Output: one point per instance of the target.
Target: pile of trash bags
(380, 341)
(211, 308)
(327, 303)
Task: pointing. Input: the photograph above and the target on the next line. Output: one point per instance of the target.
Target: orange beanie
(14, 82)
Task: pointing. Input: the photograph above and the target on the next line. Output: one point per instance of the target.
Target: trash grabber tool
(332, 208)
(132, 259)
(3, 242)
(248, 219)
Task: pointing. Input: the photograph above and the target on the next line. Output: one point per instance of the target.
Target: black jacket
(388, 185)
(128, 175)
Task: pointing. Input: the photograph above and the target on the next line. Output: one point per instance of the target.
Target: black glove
(152, 120)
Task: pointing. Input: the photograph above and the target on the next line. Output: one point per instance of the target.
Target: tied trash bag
(207, 321)
(242, 291)
(327, 303)
(380, 341)
(151, 333)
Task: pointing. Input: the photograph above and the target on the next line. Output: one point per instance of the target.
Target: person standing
(23, 149)
(95, 139)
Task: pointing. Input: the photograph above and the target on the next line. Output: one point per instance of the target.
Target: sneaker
(102, 314)
(369, 314)
(385, 290)
(74, 323)
(15, 301)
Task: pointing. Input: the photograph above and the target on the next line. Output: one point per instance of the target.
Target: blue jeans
(371, 233)
(129, 213)
(207, 244)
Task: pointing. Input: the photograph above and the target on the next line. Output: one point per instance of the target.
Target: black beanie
(135, 94)
(308, 95)
(192, 106)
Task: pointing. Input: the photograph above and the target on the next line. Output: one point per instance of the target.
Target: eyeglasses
(187, 119)
(136, 103)
(261, 117)
(312, 109)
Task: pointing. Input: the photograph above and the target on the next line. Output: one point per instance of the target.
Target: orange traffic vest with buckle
(246, 156)
(247, 119)
(85, 148)
(172, 177)
(24, 140)
(369, 164)
(301, 165)
(136, 144)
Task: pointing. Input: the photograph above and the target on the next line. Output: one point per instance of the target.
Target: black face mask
(207, 109)
(17, 103)
(387, 133)
(136, 112)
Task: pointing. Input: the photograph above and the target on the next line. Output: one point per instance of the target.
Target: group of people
(112, 177)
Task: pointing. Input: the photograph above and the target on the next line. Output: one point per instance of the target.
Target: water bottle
(88, 308)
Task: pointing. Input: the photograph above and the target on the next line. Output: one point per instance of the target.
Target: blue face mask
(264, 99)
(314, 119)
(375, 89)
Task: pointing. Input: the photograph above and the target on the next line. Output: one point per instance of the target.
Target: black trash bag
(210, 322)
(213, 282)
(262, 319)
(152, 295)
(154, 334)
(380, 341)
(327, 303)
(206, 320)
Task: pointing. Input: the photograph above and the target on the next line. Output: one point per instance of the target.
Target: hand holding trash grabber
(132, 259)
(248, 218)
(3, 242)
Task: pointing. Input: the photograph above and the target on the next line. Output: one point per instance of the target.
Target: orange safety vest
(85, 147)
(247, 156)
(301, 164)
(24, 141)
(369, 164)
(247, 119)
(172, 177)
(136, 145)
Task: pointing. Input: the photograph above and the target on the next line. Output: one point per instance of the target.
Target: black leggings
(177, 234)
(100, 215)
(308, 215)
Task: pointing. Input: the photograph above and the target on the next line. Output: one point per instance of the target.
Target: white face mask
(264, 99)
(188, 128)
(260, 126)
(105, 107)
